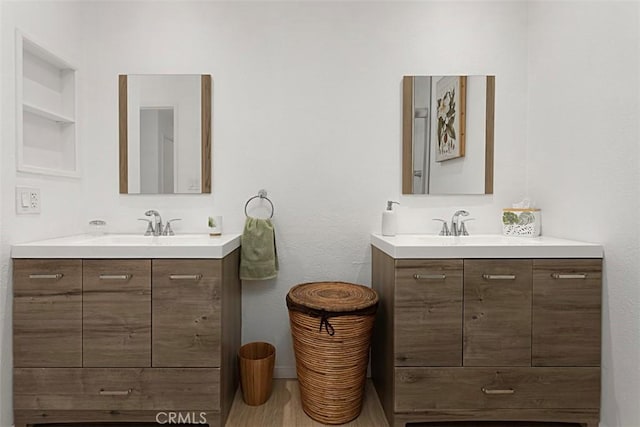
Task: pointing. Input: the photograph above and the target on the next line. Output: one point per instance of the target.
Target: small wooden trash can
(256, 371)
(331, 326)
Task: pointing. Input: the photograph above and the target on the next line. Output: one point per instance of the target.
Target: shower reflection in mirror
(421, 132)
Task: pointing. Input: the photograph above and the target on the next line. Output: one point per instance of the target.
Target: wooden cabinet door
(47, 313)
(497, 312)
(186, 312)
(116, 315)
(428, 313)
(566, 312)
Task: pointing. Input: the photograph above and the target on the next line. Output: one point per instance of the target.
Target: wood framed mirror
(447, 134)
(165, 133)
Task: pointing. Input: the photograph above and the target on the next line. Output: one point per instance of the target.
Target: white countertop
(129, 246)
(483, 246)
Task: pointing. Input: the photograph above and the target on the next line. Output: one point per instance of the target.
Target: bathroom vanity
(125, 329)
(487, 328)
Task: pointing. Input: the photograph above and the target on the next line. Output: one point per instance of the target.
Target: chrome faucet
(156, 225)
(457, 225)
(168, 231)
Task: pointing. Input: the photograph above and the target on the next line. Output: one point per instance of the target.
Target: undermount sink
(129, 246)
(483, 246)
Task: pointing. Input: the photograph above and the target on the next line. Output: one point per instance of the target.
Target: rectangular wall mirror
(165, 134)
(447, 134)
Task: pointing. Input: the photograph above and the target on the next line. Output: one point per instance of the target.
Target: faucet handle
(445, 229)
(463, 228)
(149, 231)
(168, 231)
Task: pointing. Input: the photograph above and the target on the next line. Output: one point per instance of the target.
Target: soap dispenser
(389, 220)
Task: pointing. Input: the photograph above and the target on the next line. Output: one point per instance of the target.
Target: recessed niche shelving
(46, 111)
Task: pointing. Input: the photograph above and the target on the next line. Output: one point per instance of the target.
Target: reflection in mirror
(165, 134)
(447, 141)
(157, 150)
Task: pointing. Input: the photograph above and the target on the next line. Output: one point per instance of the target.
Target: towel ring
(262, 194)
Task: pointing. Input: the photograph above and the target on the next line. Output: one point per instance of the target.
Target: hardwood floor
(284, 409)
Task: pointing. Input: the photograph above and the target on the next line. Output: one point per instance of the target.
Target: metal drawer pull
(115, 392)
(498, 391)
(57, 276)
(185, 276)
(429, 276)
(499, 276)
(115, 276)
(568, 276)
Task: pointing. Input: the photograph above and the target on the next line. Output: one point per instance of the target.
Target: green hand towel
(258, 256)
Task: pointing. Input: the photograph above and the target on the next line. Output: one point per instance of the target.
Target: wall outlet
(27, 200)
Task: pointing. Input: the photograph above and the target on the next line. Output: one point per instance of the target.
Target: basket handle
(324, 321)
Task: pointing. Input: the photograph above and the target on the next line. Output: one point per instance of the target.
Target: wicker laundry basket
(331, 326)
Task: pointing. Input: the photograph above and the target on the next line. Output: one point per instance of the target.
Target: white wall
(306, 104)
(56, 26)
(583, 164)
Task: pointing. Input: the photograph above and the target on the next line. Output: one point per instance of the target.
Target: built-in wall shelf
(46, 111)
(49, 115)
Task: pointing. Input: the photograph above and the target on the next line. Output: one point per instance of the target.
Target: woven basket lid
(333, 296)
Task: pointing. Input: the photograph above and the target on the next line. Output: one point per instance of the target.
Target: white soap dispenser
(389, 220)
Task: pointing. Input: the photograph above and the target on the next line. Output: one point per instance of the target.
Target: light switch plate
(27, 200)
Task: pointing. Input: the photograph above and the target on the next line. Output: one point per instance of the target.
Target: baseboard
(284, 372)
(290, 372)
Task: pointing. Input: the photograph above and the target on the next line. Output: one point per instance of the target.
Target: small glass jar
(97, 227)
(215, 225)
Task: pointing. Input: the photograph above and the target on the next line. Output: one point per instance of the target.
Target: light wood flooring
(284, 409)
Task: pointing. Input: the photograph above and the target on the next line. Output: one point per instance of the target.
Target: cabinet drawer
(116, 389)
(497, 312)
(566, 312)
(47, 313)
(423, 389)
(116, 313)
(428, 319)
(186, 313)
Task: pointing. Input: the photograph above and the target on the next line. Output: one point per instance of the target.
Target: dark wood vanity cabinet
(487, 339)
(186, 314)
(497, 312)
(428, 313)
(566, 312)
(106, 340)
(116, 313)
(47, 313)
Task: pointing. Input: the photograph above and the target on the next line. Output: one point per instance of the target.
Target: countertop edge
(70, 251)
(575, 250)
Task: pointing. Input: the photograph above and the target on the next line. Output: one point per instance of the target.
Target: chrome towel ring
(262, 194)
